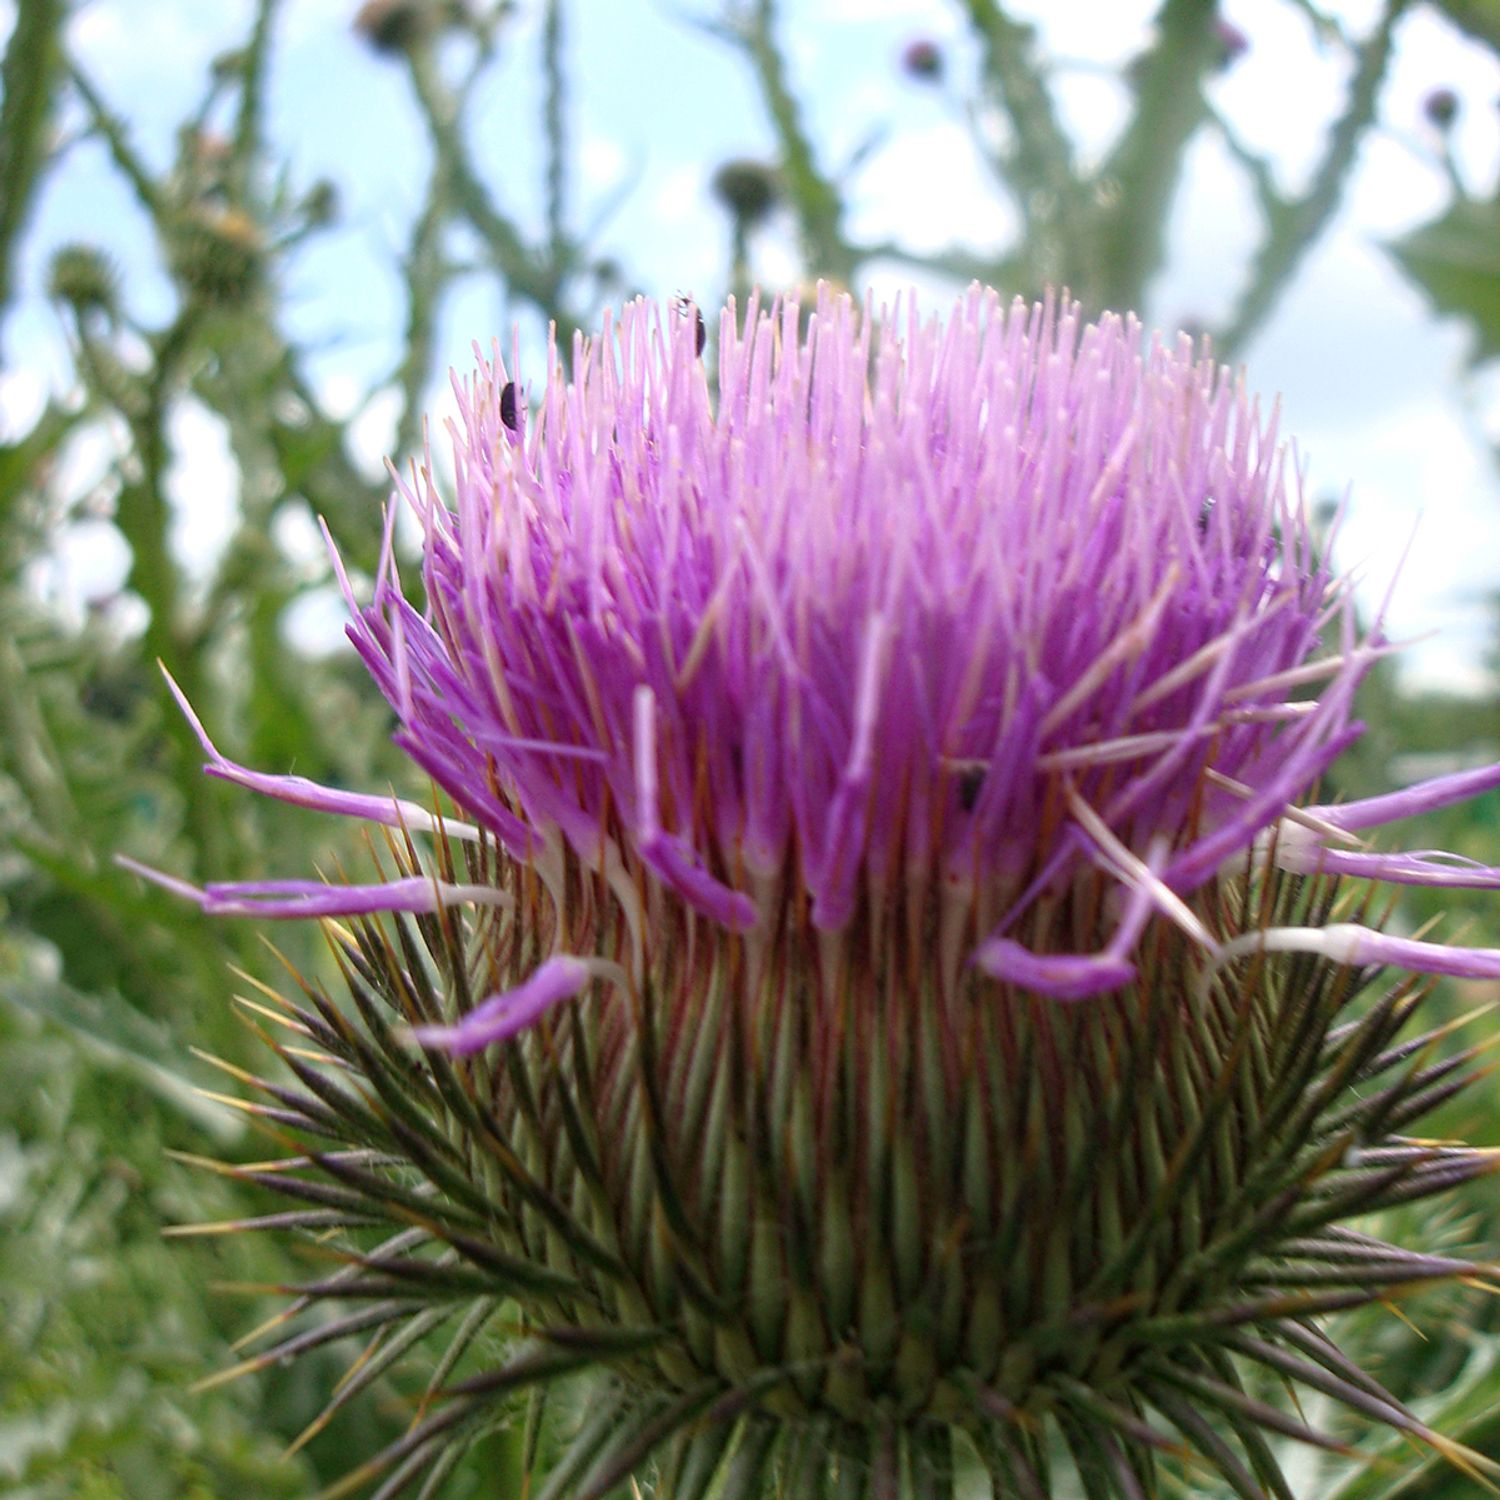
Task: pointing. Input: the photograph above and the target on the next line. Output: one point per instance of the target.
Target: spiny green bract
(850, 1246)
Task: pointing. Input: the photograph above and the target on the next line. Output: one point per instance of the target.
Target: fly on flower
(691, 312)
(884, 1004)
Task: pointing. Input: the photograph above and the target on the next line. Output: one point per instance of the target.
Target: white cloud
(23, 396)
(929, 190)
(313, 623)
(371, 434)
(203, 485)
(1096, 32)
(312, 20)
(678, 198)
(778, 263)
(1094, 108)
(85, 566)
(601, 162)
(926, 16)
(109, 36)
(83, 463)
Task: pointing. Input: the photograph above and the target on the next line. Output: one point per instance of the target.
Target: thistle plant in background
(874, 997)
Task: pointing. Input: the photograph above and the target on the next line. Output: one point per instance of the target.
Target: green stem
(1136, 183)
(1005, 273)
(1039, 170)
(739, 260)
(27, 80)
(554, 128)
(427, 275)
(144, 522)
(112, 128)
(249, 125)
(1295, 226)
(815, 199)
(524, 274)
(31, 752)
(143, 516)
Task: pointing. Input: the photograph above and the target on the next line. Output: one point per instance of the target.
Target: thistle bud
(218, 253)
(1233, 43)
(922, 59)
(880, 1001)
(395, 26)
(748, 189)
(1441, 108)
(84, 277)
(320, 205)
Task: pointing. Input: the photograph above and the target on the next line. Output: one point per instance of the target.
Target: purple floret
(871, 613)
(904, 617)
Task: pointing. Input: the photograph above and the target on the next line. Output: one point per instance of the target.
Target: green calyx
(838, 1227)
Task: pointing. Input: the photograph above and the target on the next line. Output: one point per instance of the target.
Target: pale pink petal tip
(673, 864)
(1369, 947)
(1361, 947)
(393, 812)
(291, 899)
(1060, 976)
(503, 1015)
(295, 899)
(1424, 797)
(1301, 848)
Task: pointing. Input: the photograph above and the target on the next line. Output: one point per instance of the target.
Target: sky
(1375, 388)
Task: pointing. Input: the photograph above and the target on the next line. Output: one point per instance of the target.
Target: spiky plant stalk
(889, 1015)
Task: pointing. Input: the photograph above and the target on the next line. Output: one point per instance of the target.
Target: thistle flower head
(813, 738)
(1005, 624)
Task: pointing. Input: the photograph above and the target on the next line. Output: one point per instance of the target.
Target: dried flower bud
(86, 278)
(226, 65)
(923, 59)
(218, 253)
(395, 25)
(1441, 107)
(1233, 43)
(748, 189)
(320, 207)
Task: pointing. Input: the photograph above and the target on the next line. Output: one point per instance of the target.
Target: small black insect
(508, 404)
(686, 305)
(970, 783)
(1205, 515)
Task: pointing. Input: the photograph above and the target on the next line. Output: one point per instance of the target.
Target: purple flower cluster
(949, 617)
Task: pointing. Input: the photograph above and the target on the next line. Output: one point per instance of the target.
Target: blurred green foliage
(105, 1326)
(1456, 261)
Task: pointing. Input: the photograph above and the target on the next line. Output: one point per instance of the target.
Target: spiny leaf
(469, 1405)
(607, 1411)
(1455, 259)
(369, 1317)
(377, 1358)
(1227, 1399)
(1388, 1411)
(306, 1219)
(743, 1477)
(1225, 1462)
